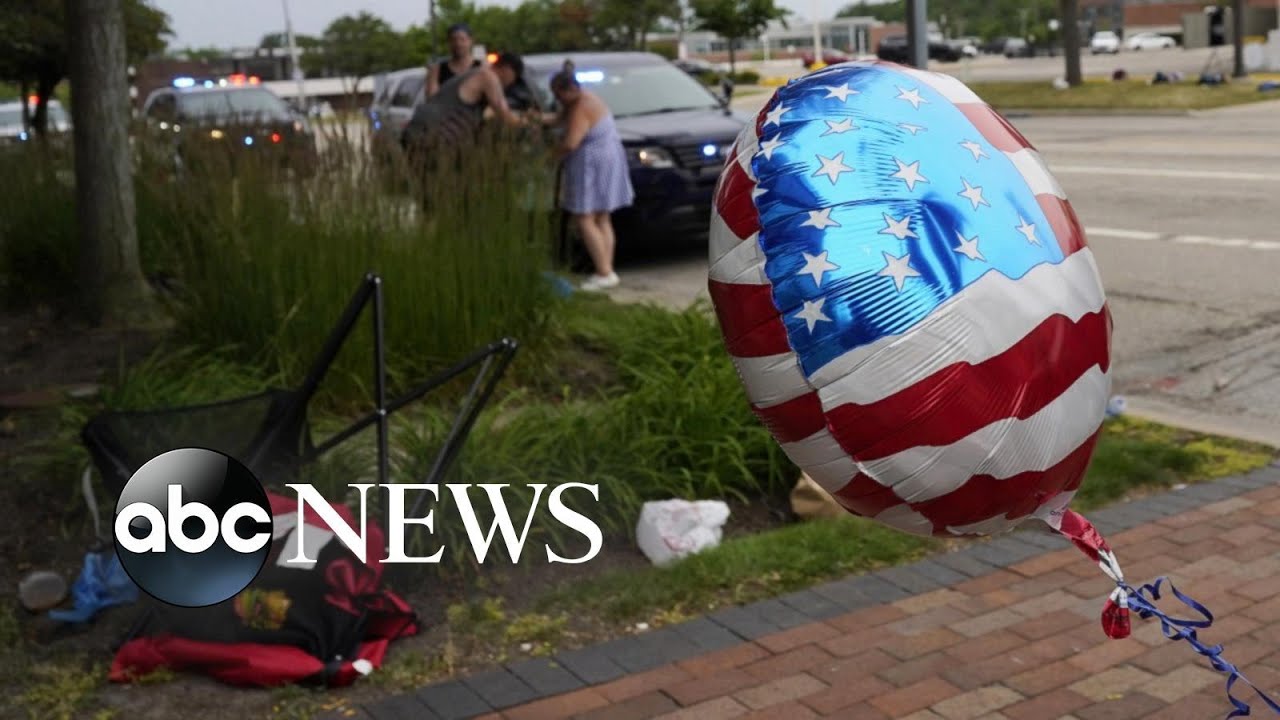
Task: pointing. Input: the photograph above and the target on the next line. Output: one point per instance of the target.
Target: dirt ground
(49, 529)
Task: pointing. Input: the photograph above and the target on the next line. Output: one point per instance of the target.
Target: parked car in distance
(1104, 41)
(237, 118)
(395, 96)
(1017, 47)
(894, 49)
(676, 131)
(1149, 41)
(829, 57)
(13, 130)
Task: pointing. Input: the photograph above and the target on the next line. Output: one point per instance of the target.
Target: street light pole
(1237, 31)
(817, 35)
(918, 33)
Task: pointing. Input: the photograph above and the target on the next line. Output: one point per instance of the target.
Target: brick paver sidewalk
(994, 631)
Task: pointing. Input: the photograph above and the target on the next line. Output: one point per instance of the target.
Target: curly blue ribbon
(1183, 629)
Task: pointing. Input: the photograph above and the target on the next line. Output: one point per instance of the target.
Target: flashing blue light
(590, 76)
(23, 135)
(248, 141)
(709, 150)
(184, 82)
(208, 83)
(377, 124)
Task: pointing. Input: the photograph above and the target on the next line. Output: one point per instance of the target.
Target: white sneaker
(596, 283)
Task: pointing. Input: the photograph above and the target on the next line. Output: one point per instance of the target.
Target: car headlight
(653, 157)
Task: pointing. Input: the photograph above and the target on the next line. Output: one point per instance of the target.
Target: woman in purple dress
(596, 178)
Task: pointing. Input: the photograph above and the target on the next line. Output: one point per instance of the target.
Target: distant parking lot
(996, 67)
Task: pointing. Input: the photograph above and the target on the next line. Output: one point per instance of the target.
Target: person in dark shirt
(459, 62)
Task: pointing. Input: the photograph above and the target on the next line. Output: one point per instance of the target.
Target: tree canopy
(983, 18)
(34, 49)
(736, 19)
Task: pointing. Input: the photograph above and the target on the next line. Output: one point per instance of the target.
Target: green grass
(1123, 95)
(1133, 457)
(742, 570)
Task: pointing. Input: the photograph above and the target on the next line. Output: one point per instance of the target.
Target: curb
(1096, 112)
(527, 680)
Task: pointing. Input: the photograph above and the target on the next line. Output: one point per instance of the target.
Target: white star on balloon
(757, 191)
(820, 219)
(1028, 230)
(968, 247)
(768, 146)
(836, 128)
(841, 93)
(898, 228)
(898, 268)
(975, 148)
(910, 174)
(912, 96)
(973, 194)
(817, 266)
(774, 116)
(812, 313)
(913, 129)
(832, 167)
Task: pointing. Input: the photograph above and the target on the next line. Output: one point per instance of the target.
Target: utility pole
(431, 24)
(918, 33)
(1237, 32)
(1069, 9)
(295, 59)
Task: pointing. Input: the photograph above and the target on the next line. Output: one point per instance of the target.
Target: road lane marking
(1126, 234)
(1123, 234)
(1166, 173)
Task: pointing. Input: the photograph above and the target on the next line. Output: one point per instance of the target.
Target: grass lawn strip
(1103, 94)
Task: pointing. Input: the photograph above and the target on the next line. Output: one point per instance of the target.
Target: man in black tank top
(460, 60)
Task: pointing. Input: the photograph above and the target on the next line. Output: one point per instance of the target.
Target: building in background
(849, 35)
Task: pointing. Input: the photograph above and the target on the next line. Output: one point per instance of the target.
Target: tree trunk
(1237, 34)
(44, 91)
(733, 69)
(115, 294)
(1070, 25)
(24, 87)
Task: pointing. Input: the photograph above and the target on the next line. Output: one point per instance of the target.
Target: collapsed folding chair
(328, 623)
(269, 432)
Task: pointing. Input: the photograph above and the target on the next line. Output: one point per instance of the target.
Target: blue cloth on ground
(103, 583)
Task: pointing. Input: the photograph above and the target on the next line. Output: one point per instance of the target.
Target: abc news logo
(194, 527)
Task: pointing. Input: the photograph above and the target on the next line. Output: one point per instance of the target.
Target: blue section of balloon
(921, 185)
(103, 583)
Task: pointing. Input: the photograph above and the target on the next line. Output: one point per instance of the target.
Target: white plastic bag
(671, 529)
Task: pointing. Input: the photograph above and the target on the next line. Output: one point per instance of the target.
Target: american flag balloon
(910, 302)
(914, 313)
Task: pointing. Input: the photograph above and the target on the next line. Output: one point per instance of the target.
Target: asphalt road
(1183, 214)
(1141, 63)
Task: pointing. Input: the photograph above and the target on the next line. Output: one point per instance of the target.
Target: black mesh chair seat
(122, 442)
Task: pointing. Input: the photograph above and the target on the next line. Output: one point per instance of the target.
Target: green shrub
(675, 425)
(37, 227)
(265, 266)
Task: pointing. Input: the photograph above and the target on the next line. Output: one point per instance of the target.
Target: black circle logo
(193, 527)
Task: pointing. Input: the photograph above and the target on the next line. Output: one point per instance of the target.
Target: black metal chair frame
(272, 448)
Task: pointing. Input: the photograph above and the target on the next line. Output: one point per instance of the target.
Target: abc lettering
(179, 513)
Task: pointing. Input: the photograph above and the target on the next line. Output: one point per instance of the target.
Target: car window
(228, 104)
(162, 108)
(407, 90)
(644, 89)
